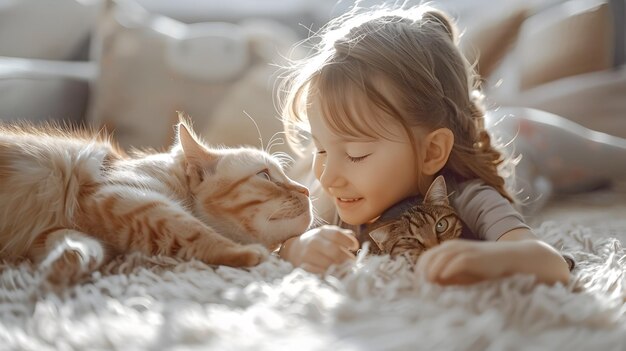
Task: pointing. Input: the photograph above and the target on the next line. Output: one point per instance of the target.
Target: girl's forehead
(349, 114)
(321, 133)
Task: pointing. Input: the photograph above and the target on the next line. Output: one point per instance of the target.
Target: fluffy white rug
(152, 303)
(160, 303)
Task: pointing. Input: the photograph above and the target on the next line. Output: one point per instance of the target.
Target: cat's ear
(199, 158)
(437, 193)
(380, 235)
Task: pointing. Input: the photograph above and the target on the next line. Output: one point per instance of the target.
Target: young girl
(389, 103)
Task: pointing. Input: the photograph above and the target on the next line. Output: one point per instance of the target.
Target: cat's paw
(69, 263)
(244, 255)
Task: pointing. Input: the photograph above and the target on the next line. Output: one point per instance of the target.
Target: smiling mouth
(347, 203)
(349, 200)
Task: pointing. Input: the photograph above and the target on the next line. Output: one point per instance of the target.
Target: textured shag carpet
(152, 303)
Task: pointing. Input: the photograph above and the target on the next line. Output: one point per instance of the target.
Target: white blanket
(138, 303)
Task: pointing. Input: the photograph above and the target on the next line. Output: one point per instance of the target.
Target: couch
(131, 65)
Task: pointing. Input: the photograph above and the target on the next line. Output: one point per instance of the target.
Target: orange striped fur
(70, 200)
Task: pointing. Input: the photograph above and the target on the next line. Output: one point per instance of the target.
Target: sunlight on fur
(70, 200)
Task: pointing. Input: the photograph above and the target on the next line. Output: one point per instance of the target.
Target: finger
(461, 263)
(316, 255)
(425, 261)
(330, 250)
(461, 279)
(434, 266)
(313, 268)
(440, 260)
(342, 237)
(340, 254)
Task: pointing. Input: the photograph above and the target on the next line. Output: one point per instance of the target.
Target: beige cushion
(47, 30)
(594, 100)
(572, 38)
(488, 38)
(151, 67)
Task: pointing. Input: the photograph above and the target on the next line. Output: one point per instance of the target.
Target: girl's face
(364, 176)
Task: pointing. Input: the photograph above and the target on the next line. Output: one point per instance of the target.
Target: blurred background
(130, 65)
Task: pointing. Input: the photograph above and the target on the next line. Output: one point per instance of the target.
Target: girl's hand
(319, 248)
(466, 261)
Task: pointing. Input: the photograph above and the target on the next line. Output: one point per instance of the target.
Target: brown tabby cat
(410, 228)
(71, 200)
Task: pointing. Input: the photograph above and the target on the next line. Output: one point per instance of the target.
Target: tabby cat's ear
(380, 235)
(199, 158)
(437, 193)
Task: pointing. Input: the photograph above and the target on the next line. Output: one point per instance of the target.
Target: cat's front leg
(196, 240)
(185, 236)
(68, 256)
(150, 223)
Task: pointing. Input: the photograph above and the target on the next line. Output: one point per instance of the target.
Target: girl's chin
(355, 219)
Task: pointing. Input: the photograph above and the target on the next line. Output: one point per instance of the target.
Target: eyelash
(350, 158)
(356, 159)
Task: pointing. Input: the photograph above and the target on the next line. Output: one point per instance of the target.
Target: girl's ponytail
(480, 159)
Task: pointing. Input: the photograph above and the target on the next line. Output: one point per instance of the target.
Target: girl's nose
(330, 176)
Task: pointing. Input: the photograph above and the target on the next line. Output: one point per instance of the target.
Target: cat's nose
(303, 190)
(293, 186)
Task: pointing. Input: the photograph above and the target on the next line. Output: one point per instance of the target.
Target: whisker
(275, 140)
(257, 129)
(279, 155)
(283, 154)
(280, 208)
(284, 159)
(317, 220)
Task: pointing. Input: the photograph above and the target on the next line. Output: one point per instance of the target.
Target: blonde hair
(414, 51)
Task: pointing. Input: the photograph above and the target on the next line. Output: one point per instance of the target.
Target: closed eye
(265, 174)
(357, 159)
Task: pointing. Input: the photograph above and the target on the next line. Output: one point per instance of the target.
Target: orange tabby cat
(71, 200)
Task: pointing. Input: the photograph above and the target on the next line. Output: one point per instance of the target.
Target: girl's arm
(517, 251)
(533, 256)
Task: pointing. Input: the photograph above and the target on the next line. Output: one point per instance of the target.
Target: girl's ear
(437, 146)
(199, 159)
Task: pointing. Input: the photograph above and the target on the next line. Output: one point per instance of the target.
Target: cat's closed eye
(265, 174)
